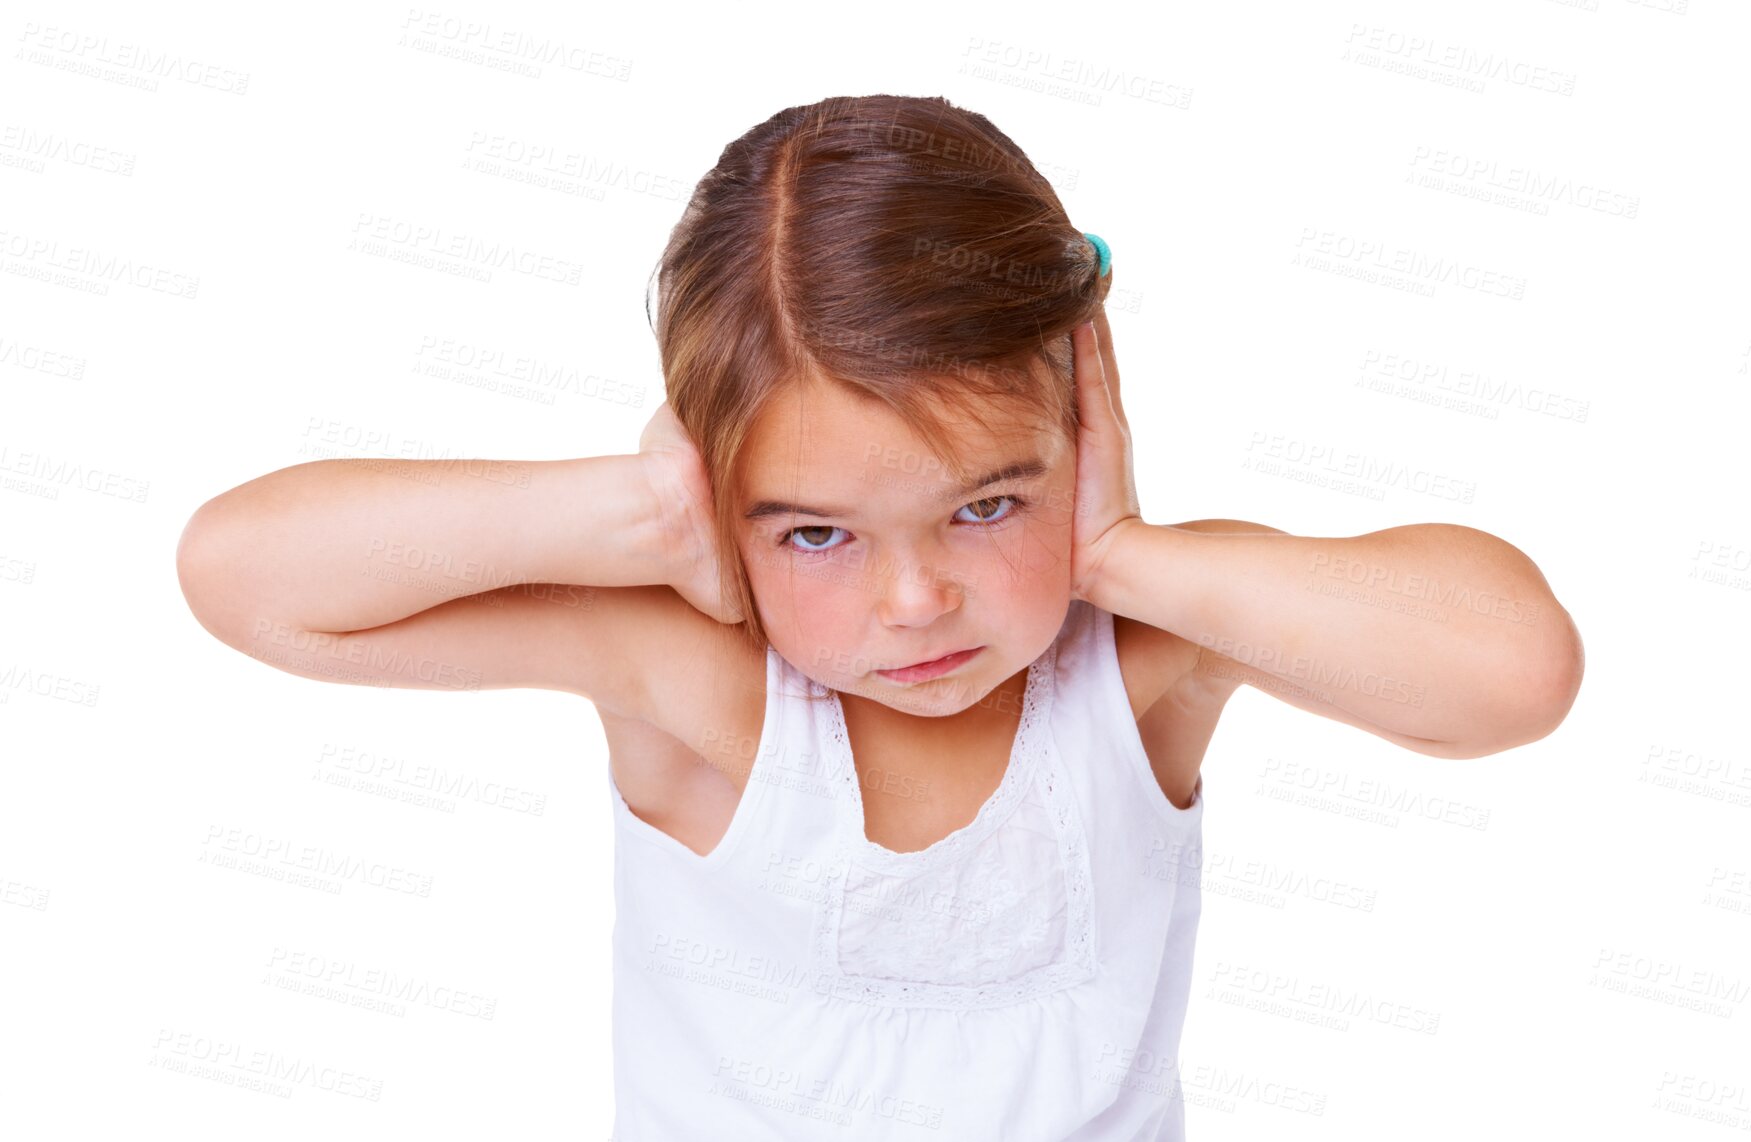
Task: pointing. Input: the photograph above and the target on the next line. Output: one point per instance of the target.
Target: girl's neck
(995, 713)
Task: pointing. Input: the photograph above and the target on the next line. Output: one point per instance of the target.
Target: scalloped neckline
(1017, 769)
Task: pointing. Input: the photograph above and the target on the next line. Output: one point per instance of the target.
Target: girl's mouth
(935, 668)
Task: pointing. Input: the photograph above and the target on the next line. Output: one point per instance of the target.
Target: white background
(1556, 940)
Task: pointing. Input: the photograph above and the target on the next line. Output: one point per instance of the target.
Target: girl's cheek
(761, 555)
(787, 576)
(757, 561)
(1044, 559)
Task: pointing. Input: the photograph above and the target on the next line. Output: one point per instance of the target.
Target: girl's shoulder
(705, 686)
(1151, 661)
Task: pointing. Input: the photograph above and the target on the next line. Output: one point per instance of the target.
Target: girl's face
(864, 554)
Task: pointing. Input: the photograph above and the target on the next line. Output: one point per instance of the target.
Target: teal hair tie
(1106, 253)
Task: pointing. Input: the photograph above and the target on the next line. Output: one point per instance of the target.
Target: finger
(1106, 347)
(1110, 364)
(1085, 353)
(654, 428)
(1093, 396)
(1111, 410)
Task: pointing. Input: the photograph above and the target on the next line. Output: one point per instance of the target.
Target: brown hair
(900, 247)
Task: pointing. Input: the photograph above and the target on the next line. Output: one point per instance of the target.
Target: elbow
(194, 552)
(1548, 692)
(1543, 690)
(1565, 662)
(200, 569)
(187, 561)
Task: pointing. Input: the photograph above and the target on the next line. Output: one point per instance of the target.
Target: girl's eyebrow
(1029, 469)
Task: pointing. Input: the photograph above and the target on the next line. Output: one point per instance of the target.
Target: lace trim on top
(1023, 759)
(1025, 929)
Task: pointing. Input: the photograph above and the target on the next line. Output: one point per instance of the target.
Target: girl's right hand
(682, 487)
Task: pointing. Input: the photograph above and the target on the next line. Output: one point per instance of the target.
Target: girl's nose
(916, 593)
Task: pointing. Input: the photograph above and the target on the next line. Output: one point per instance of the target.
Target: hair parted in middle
(900, 247)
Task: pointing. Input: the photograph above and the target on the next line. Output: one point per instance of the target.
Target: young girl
(905, 703)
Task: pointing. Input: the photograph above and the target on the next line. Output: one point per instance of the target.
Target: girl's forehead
(847, 471)
(865, 465)
(826, 427)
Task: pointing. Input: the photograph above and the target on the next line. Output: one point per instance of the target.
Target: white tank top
(1024, 978)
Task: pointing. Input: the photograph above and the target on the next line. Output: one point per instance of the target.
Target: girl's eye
(984, 520)
(785, 538)
(993, 500)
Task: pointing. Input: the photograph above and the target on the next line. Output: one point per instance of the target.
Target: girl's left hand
(1106, 487)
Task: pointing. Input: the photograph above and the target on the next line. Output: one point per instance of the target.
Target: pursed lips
(928, 661)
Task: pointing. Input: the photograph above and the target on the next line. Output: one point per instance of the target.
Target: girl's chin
(938, 698)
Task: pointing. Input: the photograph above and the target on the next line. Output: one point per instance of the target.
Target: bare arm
(452, 575)
(1453, 645)
(351, 544)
